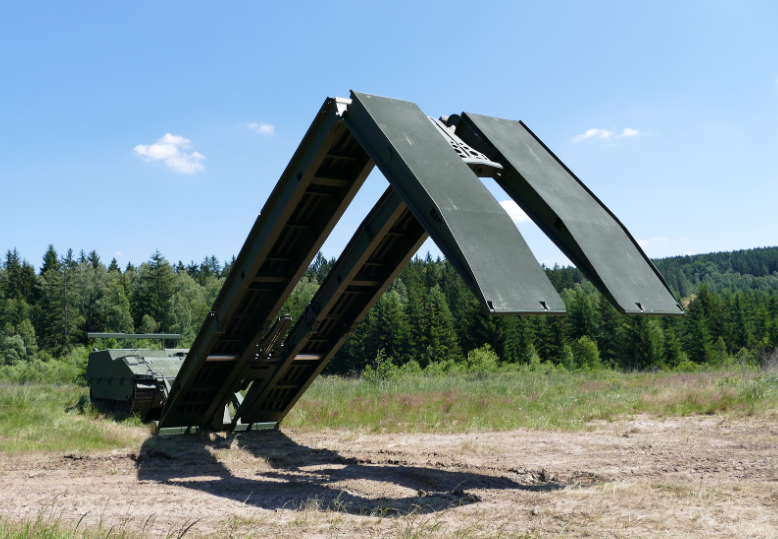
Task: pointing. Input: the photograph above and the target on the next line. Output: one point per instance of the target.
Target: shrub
(482, 361)
(383, 368)
(587, 354)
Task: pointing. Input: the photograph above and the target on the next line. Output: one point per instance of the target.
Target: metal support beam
(382, 246)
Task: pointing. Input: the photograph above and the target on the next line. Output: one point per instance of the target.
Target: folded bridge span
(432, 167)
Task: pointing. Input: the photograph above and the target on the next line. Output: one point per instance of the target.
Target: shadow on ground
(292, 476)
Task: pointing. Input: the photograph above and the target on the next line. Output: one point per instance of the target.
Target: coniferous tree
(673, 352)
(439, 340)
(193, 270)
(479, 328)
(15, 312)
(525, 338)
(415, 308)
(386, 329)
(94, 259)
(499, 332)
(761, 324)
(19, 277)
(458, 296)
(544, 339)
(156, 287)
(610, 321)
(584, 318)
(639, 342)
(50, 260)
(697, 337)
(60, 300)
(319, 268)
(114, 266)
(772, 335)
(228, 266)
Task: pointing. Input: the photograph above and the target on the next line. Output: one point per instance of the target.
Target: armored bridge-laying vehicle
(247, 367)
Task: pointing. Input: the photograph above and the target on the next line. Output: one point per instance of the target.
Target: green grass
(47, 529)
(44, 418)
(47, 525)
(58, 418)
(532, 400)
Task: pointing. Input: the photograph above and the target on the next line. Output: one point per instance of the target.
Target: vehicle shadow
(274, 472)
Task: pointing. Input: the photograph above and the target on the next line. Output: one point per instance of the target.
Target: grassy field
(38, 417)
(58, 419)
(531, 400)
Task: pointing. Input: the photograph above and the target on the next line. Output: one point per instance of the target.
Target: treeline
(430, 317)
(427, 316)
(45, 314)
(755, 269)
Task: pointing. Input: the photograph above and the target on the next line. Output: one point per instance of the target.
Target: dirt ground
(707, 476)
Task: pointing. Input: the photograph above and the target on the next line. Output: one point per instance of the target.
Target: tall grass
(48, 524)
(507, 400)
(58, 418)
(41, 528)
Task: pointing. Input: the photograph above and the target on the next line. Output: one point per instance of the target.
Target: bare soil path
(708, 476)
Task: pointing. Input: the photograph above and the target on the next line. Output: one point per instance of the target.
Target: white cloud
(169, 149)
(658, 240)
(117, 253)
(606, 134)
(262, 128)
(514, 211)
(599, 133)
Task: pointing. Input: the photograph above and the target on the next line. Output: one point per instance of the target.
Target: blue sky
(127, 127)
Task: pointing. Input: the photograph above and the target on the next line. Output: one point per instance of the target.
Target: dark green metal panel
(571, 215)
(461, 215)
(378, 251)
(318, 184)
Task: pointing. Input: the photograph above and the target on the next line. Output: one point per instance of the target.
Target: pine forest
(427, 319)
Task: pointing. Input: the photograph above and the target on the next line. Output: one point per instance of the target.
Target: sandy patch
(705, 476)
